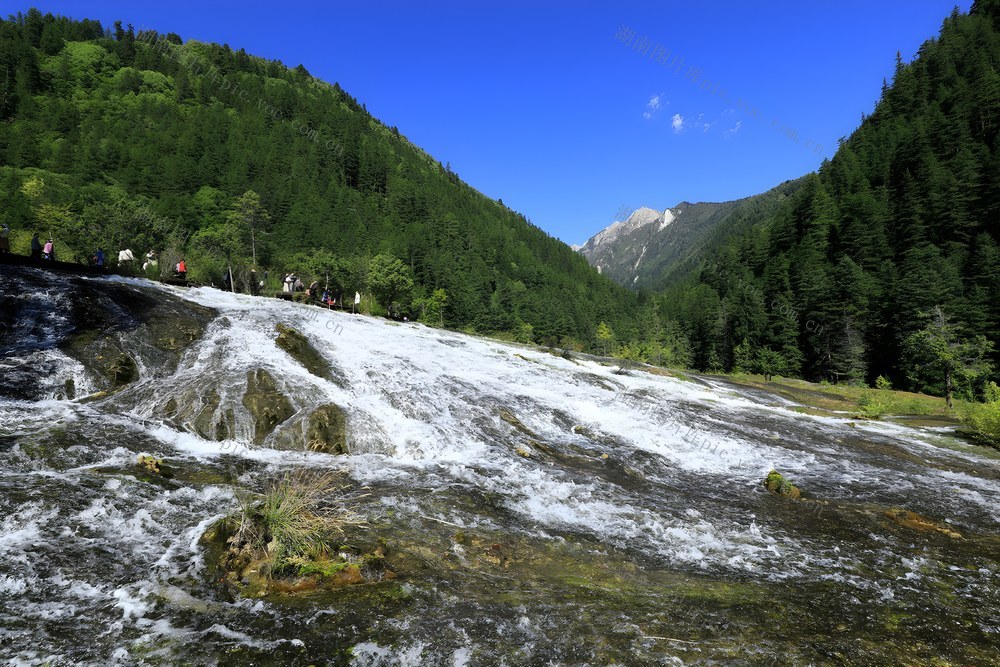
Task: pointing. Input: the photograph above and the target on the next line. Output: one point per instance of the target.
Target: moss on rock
(300, 349)
(775, 483)
(250, 575)
(327, 430)
(914, 521)
(268, 406)
(152, 465)
(511, 419)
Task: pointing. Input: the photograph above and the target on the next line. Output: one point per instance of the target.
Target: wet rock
(511, 419)
(300, 349)
(250, 574)
(105, 357)
(197, 409)
(152, 465)
(209, 423)
(323, 430)
(268, 406)
(914, 521)
(327, 431)
(775, 483)
(172, 327)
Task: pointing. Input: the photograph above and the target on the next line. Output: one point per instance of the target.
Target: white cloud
(736, 128)
(654, 104)
(677, 122)
(702, 125)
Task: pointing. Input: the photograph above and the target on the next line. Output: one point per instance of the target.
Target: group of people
(292, 283)
(46, 252)
(39, 251)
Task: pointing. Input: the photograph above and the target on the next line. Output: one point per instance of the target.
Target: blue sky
(545, 105)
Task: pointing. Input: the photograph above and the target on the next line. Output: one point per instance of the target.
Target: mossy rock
(208, 423)
(300, 349)
(105, 357)
(152, 465)
(511, 419)
(775, 483)
(251, 575)
(327, 430)
(178, 326)
(914, 521)
(268, 406)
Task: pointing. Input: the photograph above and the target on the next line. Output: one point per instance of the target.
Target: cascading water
(538, 510)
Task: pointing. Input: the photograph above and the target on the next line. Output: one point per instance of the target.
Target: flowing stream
(539, 510)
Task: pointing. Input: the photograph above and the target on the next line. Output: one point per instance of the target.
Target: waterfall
(538, 507)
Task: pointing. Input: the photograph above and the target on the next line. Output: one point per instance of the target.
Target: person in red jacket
(181, 270)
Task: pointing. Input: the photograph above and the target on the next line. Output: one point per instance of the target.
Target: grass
(294, 520)
(876, 403)
(983, 420)
(860, 401)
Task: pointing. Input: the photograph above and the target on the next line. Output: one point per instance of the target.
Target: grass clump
(294, 521)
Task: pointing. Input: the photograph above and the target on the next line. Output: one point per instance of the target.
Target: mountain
(114, 139)
(643, 250)
(627, 250)
(893, 244)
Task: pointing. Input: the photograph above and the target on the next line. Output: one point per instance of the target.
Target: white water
(424, 415)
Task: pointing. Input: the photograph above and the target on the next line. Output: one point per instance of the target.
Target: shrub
(877, 403)
(874, 404)
(983, 419)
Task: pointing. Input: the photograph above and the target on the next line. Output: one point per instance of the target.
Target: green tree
(436, 304)
(769, 363)
(939, 348)
(605, 337)
(388, 279)
(250, 220)
(743, 357)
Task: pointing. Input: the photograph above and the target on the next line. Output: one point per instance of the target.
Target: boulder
(327, 430)
(267, 406)
(300, 349)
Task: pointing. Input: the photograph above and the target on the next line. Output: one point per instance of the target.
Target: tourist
(286, 284)
(36, 247)
(49, 251)
(99, 257)
(182, 269)
(125, 257)
(4, 239)
(150, 262)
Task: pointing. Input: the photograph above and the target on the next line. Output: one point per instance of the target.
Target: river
(538, 509)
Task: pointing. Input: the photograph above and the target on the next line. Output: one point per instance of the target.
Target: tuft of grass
(295, 519)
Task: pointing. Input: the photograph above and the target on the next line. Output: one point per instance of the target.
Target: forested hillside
(886, 262)
(114, 139)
